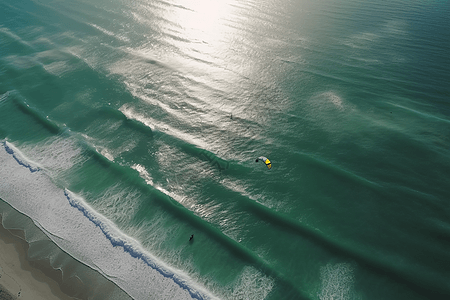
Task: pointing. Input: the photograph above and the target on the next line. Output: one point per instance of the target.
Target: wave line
(129, 247)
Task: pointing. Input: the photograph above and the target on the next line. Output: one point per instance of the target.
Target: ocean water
(128, 125)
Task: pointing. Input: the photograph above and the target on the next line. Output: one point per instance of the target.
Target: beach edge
(31, 263)
(20, 278)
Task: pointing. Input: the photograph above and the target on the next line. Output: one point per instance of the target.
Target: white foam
(337, 281)
(20, 157)
(4, 96)
(21, 62)
(56, 154)
(163, 127)
(252, 285)
(87, 235)
(14, 36)
(56, 68)
(143, 173)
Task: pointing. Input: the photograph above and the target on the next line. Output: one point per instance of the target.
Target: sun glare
(202, 20)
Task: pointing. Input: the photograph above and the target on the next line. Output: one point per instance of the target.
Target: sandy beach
(19, 279)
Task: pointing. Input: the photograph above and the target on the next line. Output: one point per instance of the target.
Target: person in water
(192, 236)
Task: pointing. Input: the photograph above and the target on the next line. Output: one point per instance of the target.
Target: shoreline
(19, 278)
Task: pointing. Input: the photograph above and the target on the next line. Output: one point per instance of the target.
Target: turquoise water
(127, 126)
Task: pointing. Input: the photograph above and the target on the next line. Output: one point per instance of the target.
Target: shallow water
(127, 126)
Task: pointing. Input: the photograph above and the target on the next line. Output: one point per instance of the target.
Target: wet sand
(19, 279)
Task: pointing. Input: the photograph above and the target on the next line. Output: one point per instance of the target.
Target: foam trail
(14, 37)
(337, 281)
(129, 245)
(87, 236)
(20, 158)
(4, 96)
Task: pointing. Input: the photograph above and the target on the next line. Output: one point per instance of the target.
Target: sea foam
(130, 246)
(20, 158)
(86, 235)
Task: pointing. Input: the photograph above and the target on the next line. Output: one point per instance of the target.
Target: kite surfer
(265, 160)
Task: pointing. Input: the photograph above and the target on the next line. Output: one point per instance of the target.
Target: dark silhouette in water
(190, 239)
